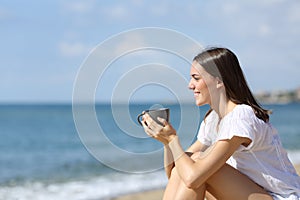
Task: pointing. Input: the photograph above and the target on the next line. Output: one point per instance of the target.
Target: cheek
(201, 85)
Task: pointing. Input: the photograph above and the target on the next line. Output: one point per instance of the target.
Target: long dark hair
(223, 63)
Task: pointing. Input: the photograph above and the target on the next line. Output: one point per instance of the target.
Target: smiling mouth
(196, 94)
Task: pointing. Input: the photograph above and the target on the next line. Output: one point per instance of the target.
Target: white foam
(103, 187)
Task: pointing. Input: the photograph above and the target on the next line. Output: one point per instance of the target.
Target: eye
(196, 77)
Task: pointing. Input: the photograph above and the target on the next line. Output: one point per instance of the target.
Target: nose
(191, 85)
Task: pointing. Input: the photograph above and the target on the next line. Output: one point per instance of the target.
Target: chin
(200, 103)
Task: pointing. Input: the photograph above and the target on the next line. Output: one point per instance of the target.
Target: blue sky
(44, 43)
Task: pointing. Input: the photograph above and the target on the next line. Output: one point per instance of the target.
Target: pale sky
(44, 43)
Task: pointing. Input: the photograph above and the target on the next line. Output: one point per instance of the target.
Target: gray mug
(161, 112)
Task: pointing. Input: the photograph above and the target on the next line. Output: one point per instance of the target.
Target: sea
(49, 152)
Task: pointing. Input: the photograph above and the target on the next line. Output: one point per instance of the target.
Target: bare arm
(169, 160)
(195, 173)
(196, 146)
(168, 154)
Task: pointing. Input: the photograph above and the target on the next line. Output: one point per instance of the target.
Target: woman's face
(199, 83)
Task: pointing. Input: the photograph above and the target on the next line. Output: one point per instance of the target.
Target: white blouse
(264, 160)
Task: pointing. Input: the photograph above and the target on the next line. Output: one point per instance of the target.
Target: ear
(219, 83)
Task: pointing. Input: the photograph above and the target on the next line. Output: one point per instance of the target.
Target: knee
(174, 172)
(176, 177)
(188, 183)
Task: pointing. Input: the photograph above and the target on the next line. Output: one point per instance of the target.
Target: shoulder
(243, 115)
(213, 116)
(243, 111)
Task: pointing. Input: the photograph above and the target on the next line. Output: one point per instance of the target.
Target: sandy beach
(158, 194)
(147, 195)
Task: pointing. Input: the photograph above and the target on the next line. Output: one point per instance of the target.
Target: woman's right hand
(163, 133)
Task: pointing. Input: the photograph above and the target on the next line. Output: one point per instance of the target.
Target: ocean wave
(103, 187)
(99, 187)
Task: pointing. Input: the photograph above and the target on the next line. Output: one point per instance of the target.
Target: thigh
(229, 183)
(185, 193)
(172, 186)
(174, 183)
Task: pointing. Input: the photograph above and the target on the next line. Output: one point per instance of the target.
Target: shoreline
(158, 193)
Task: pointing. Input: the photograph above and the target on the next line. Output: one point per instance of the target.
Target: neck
(224, 107)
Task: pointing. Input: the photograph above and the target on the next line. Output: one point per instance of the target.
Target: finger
(163, 121)
(146, 116)
(148, 120)
(155, 127)
(148, 131)
(144, 120)
(145, 126)
(152, 124)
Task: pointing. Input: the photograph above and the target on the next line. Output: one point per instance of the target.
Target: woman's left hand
(163, 133)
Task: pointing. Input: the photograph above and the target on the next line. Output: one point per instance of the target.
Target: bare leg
(176, 189)
(172, 186)
(229, 183)
(226, 183)
(184, 193)
(209, 196)
(174, 183)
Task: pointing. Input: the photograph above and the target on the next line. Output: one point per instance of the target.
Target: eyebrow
(195, 75)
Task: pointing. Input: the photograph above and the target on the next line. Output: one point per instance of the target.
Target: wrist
(171, 138)
(176, 148)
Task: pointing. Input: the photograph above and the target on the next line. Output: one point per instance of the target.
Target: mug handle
(138, 118)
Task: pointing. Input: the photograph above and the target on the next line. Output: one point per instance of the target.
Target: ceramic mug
(161, 112)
